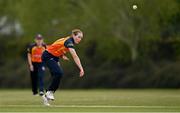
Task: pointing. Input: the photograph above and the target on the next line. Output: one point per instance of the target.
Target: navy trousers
(37, 76)
(55, 70)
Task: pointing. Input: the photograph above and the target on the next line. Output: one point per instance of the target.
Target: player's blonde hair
(76, 31)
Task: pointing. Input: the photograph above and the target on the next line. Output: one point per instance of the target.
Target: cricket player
(51, 58)
(36, 67)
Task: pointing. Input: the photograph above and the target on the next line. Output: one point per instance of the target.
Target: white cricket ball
(134, 7)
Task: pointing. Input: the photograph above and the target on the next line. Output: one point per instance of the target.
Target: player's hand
(81, 74)
(31, 67)
(65, 58)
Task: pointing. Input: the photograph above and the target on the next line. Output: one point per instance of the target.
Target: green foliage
(121, 46)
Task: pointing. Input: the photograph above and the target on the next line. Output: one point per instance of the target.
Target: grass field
(93, 101)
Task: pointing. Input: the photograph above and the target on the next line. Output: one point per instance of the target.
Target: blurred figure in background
(36, 67)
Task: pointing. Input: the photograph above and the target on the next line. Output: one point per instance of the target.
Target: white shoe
(41, 93)
(45, 100)
(49, 95)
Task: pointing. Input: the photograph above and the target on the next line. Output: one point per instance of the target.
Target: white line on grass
(92, 106)
(90, 112)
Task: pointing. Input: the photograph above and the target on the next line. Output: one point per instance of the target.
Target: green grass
(93, 101)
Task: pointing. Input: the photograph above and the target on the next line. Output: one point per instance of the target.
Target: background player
(36, 67)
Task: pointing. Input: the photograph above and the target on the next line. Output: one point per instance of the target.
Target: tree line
(122, 47)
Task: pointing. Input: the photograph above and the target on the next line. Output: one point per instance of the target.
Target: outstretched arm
(77, 61)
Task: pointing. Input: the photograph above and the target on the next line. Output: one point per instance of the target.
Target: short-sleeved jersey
(60, 46)
(36, 52)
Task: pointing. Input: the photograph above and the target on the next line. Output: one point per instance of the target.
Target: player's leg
(45, 57)
(34, 78)
(41, 71)
(56, 73)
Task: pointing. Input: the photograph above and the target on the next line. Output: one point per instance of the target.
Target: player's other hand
(81, 74)
(65, 57)
(31, 68)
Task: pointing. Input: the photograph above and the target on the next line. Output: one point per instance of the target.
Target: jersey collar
(71, 38)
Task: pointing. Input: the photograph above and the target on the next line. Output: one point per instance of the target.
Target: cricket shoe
(49, 95)
(45, 100)
(41, 93)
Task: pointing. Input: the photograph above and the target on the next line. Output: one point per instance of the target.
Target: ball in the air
(134, 7)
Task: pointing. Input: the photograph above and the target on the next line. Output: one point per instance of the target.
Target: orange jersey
(60, 46)
(36, 52)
